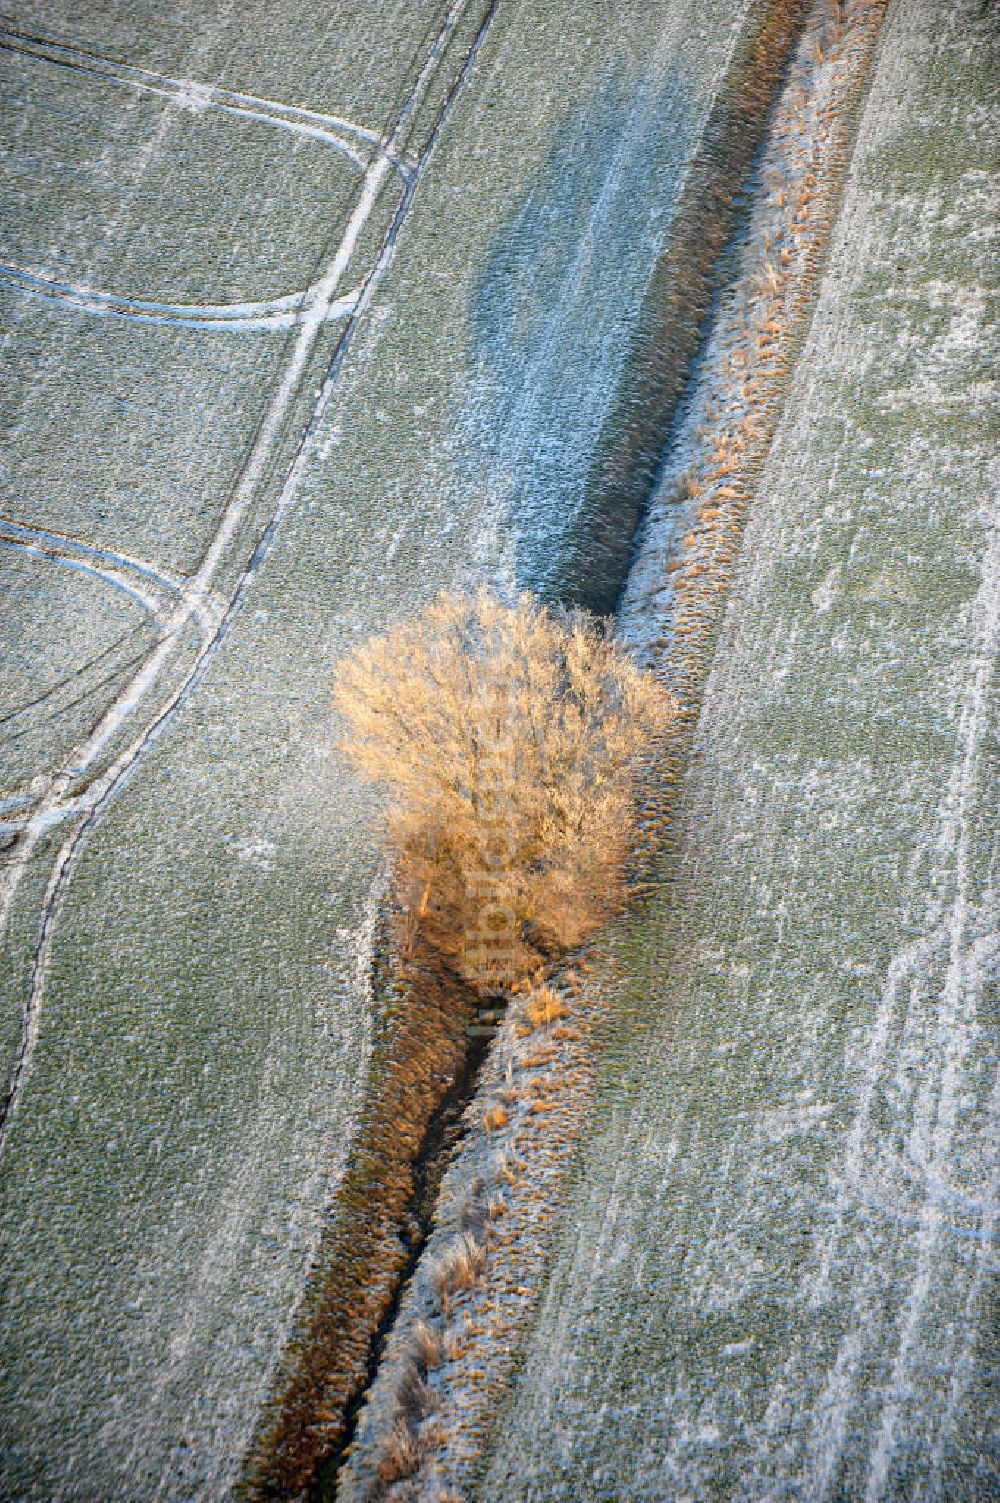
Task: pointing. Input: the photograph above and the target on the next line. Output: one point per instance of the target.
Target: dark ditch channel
(692, 273)
(433, 1042)
(442, 1138)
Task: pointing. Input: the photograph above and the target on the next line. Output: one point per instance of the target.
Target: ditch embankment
(434, 1258)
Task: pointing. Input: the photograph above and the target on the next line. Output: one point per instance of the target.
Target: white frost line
(54, 806)
(314, 317)
(957, 1002)
(833, 1406)
(986, 1268)
(58, 542)
(324, 292)
(252, 317)
(109, 566)
(145, 602)
(953, 1029)
(912, 960)
(311, 124)
(207, 611)
(274, 313)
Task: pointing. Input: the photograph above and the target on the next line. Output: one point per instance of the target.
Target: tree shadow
(559, 317)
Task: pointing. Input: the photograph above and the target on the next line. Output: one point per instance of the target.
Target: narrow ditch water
(677, 310)
(443, 1135)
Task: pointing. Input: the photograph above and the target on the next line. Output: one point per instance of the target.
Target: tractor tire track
(145, 602)
(266, 315)
(330, 130)
(242, 318)
(93, 801)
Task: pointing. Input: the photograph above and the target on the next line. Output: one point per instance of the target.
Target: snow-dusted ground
(777, 1271)
(265, 359)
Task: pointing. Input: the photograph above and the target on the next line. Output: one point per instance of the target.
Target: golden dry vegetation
(509, 739)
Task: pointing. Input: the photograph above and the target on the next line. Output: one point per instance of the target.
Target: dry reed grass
(509, 738)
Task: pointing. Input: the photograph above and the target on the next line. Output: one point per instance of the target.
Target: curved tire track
(245, 318)
(331, 130)
(92, 803)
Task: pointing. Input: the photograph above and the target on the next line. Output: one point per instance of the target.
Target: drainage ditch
(435, 1049)
(443, 1135)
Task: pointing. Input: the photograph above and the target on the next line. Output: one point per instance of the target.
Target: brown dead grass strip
(362, 1254)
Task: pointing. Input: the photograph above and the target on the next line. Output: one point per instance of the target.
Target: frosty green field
(273, 292)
